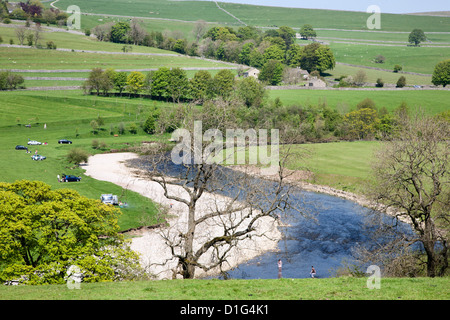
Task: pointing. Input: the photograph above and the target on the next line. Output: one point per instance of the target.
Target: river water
(324, 242)
(323, 238)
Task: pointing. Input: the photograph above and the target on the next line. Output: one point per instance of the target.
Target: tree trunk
(188, 263)
(429, 245)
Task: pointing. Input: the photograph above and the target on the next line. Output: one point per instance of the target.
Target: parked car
(70, 178)
(38, 157)
(109, 199)
(19, 147)
(34, 142)
(64, 141)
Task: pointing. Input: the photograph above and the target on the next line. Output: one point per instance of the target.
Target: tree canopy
(45, 231)
(307, 32)
(441, 74)
(417, 36)
(315, 57)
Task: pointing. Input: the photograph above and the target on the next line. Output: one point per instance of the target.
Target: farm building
(251, 73)
(315, 82)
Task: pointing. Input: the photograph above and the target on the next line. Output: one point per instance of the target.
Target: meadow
(67, 115)
(388, 77)
(340, 165)
(18, 58)
(262, 16)
(344, 288)
(432, 101)
(412, 59)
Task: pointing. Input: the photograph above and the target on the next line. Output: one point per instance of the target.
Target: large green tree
(98, 80)
(201, 85)
(159, 80)
(251, 91)
(287, 34)
(223, 83)
(178, 84)
(417, 36)
(135, 81)
(119, 32)
(272, 72)
(45, 231)
(307, 32)
(441, 74)
(317, 57)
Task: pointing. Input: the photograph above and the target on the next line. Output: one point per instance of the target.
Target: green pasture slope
(432, 101)
(68, 114)
(25, 59)
(262, 16)
(333, 27)
(412, 59)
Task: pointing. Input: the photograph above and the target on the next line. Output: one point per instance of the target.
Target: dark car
(70, 178)
(65, 141)
(19, 147)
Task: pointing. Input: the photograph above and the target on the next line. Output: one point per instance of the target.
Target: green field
(375, 36)
(341, 165)
(412, 59)
(388, 77)
(67, 114)
(66, 40)
(263, 16)
(282, 289)
(432, 101)
(17, 58)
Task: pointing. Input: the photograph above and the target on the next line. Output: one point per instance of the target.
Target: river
(324, 238)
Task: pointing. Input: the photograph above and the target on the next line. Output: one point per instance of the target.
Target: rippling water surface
(324, 242)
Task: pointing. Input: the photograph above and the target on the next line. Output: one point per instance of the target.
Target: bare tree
(360, 78)
(199, 29)
(37, 34)
(103, 32)
(224, 208)
(137, 33)
(411, 176)
(21, 33)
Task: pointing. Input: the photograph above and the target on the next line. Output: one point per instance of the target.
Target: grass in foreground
(281, 289)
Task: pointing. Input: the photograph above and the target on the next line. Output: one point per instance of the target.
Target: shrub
(77, 156)
(95, 144)
(397, 68)
(401, 82)
(380, 83)
(380, 59)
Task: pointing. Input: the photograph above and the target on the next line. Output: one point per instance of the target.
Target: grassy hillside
(262, 16)
(412, 59)
(17, 58)
(68, 115)
(281, 289)
(432, 101)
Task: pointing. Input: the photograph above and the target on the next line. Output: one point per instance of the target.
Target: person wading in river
(313, 272)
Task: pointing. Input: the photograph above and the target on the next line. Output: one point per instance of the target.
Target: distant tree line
(174, 85)
(245, 102)
(270, 51)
